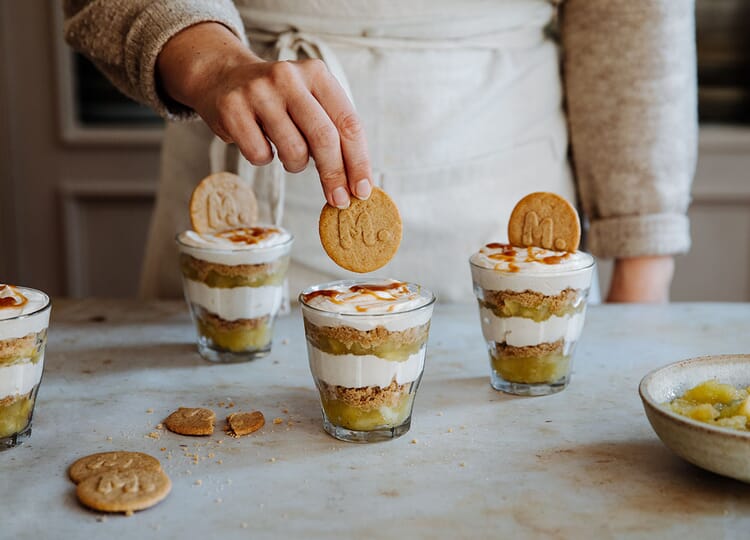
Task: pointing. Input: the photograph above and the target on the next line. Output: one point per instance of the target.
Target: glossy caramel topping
(365, 297)
(10, 297)
(248, 235)
(509, 254)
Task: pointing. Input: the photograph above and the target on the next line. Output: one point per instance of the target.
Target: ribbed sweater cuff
(155, 25)
(636, 236)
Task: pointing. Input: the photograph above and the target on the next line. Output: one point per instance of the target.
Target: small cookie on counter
(221, 202)
(124, 491)
(244, 423)
(102, 462)
(191, 421)
(363, 237)
(545, 220)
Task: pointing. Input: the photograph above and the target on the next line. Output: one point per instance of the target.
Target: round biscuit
(124, 491)
(545, 220)
(221, 202)
(363, 237)
(191, 421)
(111, 461)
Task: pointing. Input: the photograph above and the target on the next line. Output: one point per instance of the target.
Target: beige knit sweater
(629, 74)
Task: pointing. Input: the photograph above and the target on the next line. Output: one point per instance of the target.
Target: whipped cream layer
(20, 313)
(358, 371)
(236, 302)
(502, 267)
(368, 304)
(252, 245)
(19, 379)
(522, 332)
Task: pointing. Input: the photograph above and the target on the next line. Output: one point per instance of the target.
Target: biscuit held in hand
(545, 220)
(221, 202)
(364, 236)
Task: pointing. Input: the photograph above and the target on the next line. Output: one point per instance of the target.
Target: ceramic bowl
(720, 450)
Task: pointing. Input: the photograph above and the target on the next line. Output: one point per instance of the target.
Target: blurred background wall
(78, 164)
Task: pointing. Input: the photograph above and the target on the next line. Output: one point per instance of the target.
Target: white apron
(462, 107)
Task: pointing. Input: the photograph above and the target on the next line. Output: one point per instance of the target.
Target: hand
(642, 280)
(298, 106)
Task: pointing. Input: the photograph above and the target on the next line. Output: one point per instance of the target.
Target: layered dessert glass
(532, 305)
(234, 284)
(24, 317)
(366, 342)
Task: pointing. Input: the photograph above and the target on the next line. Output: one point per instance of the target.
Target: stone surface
(476, 463)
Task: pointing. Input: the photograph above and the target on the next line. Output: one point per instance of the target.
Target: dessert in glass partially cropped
(532, 305)
(24, 318)
(234, 284)
(366, 342)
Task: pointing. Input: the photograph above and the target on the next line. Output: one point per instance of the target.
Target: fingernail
(362, 189)
(340, 198)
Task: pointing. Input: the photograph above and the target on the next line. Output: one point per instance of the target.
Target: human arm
(629, 71)
(183, 57)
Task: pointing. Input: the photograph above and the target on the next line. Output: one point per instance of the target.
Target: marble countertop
(475, 464)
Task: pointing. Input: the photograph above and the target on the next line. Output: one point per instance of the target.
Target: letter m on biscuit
(536, 233)
(351, 228)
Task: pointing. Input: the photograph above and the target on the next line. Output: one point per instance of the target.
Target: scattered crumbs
(149, 410)
(285, 411)
(219, 500)
(450, 430)
(129, 513)
(183, 445)
(109, 438)
(163, 448)
(159, 426)
(440, 413)
(277, 421)
(463, 427)
(101, 519)
(243, 525)
(290, 423)
(272, 460)
(211, 454)
(169, 456)
(154, 435)
(198, 482)
(221, 404)
(462, 464)
(414, 441)
(231, 404)
(219, 461)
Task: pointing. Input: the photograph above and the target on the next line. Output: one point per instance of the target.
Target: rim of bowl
(238, 250)
(312, 288)
(684, 420)
(533, 273)
(46, 306)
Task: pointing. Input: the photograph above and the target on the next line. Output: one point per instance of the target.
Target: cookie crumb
(414, 441)
(277, 421)
(163, 448)
(149, 410)
(198, 482)
(285, 411)
(219, 461)
(154, 435)
(272, 460)
(450, 430)
(129, 513)
(440, 413)
(462, 464)
(109, 438)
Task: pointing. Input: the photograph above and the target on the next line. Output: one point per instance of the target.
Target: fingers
(304, 112)
(351, 133)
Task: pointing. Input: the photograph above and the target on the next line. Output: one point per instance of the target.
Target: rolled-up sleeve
(630, 80)
(124, 38)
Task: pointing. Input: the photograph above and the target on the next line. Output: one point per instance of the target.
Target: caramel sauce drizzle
(509, 253)
(248, 235)
(336, 297)
(16, 300)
